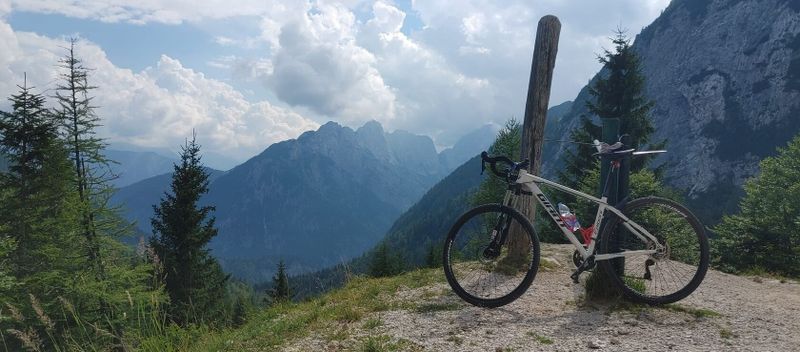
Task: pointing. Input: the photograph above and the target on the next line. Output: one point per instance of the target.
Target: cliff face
(725, 77)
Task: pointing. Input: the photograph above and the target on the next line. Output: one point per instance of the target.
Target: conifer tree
(35, 213)
(617, 93)
(91, 168)
(433, 258)
(239, 313)
(280, 284)
(383, 263)
(182, 229)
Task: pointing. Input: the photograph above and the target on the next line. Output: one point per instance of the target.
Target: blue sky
(248, 73)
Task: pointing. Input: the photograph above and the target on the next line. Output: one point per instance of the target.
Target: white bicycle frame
(531, 182)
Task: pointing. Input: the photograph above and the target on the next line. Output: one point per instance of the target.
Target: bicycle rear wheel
(482, 270)
(659, 278)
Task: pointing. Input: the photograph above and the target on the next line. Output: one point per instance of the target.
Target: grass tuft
(373, 323)
(276, 326)
(697, 312)
(544, 340)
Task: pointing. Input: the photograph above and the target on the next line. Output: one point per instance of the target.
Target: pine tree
(280, 284)
(29, 139)
(617, 93)
(35, 214)
(182, 230)
(383, 263)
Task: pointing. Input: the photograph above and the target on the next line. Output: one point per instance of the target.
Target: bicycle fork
(500, 231)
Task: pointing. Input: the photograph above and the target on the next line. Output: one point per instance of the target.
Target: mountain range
(314, 201)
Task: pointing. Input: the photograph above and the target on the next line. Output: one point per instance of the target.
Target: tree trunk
(544, 60)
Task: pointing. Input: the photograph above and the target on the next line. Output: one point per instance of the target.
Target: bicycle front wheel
(491, 255)
(668, 275)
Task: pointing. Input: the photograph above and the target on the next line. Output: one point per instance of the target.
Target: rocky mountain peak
(725, 79)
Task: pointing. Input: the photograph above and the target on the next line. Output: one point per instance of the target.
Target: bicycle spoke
(486, 267)
(680, 258)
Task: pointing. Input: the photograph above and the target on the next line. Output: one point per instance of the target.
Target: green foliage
(239, 313)
(507, 144)
(384, 263)
(579, 161)
(618, 93)
(280, 284)
(44, 250)
(492, 189)
(182, 229)
(764, 234)
(356, 303)
(433, 259)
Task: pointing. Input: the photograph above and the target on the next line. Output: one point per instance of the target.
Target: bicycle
(653, 249)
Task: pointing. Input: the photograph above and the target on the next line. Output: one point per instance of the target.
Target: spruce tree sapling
(280, 284)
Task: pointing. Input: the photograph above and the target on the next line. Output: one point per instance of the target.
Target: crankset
(577, 259)
(582, 266)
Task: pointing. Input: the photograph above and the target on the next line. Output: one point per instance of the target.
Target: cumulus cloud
(318, 65)
(157, 107)
(352, 61)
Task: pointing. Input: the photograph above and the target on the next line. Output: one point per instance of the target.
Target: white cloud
(318, 65)
(157, 107)
(350, 61)
(145, 11)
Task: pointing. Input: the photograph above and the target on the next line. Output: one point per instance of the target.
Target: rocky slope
(418, 312)
(725, 77)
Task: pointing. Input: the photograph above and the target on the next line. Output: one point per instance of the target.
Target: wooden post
(544, 60)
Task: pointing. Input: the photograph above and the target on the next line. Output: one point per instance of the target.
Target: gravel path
(754, 314)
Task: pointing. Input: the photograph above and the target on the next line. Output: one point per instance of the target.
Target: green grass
(339, 334)
(635, 284)
(277, 325)
(385, 343)
(372, 323)
(544, 340)
(757, 273)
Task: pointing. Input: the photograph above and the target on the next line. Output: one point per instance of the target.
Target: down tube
(548, 207)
